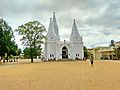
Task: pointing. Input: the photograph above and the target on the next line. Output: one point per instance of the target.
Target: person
(91, 59)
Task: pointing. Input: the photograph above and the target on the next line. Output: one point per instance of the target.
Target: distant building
(105, 53)
(56, 49)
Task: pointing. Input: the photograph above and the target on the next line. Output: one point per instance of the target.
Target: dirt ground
(66, 75)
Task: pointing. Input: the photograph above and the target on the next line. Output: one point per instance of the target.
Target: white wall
(56, 49)
(51, 49)
(77, 48)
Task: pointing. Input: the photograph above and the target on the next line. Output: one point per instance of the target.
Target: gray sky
(98, 21)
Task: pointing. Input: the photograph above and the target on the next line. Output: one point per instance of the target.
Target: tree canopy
(117, 52)
(112, 43)
(86, 54)
(32, 36)
(7, 43)
(117, 49)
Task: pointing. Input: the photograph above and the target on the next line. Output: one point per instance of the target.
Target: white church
(56, 49)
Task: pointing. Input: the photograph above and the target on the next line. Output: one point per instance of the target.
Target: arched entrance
(64, 52)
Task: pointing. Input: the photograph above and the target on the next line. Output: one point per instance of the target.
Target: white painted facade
(56, 49)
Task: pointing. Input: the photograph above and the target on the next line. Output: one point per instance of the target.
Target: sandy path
(78, 75)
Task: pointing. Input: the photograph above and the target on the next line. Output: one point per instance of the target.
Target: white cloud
(98, 21)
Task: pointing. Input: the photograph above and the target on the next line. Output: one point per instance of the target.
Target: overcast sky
(98, 21)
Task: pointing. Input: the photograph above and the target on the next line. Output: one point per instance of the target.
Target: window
(51, 55)
(77, 55)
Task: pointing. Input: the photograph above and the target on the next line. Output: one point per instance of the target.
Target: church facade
(56, 49)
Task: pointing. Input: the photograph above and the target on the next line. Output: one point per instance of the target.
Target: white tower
(50, 50)
(50, 43)
(77, 43)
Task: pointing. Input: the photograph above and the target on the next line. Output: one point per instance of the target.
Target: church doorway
(64, 52)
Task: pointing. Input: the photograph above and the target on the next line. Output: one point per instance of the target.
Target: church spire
(50, 33)
(55, 27)
(74, 34)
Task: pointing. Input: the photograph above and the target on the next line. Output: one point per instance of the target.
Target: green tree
(7, 44)
(37, 52)
(112, 43)
(32, 36)
(26, 52)
(117, 49)
(117, 52)
(19, 51)
(86, 54)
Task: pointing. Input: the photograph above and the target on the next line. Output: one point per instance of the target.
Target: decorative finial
(64, 41)
(53, 13)
(74, 20)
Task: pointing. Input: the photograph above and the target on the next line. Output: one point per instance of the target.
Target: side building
(103, 53)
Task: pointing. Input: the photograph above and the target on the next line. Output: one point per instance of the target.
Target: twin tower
(56, 49)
